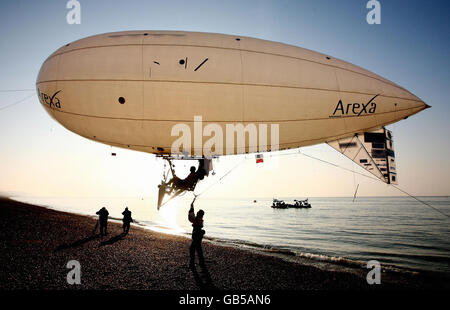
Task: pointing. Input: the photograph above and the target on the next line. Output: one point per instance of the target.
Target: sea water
(397, 231)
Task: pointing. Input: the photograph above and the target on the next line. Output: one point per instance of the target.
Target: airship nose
(412, 105)
(417, 107)
(422, 106)
(416, 103)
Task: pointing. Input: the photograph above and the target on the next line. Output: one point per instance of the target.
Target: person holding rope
(197, 235)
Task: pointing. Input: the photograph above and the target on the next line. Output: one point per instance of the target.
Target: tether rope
(17, 102)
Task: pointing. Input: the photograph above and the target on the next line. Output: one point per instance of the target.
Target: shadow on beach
(77, 243)
(113, 239)
(203, 279)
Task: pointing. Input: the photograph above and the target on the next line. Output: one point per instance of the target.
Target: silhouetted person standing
(126, 220)
(103, 220)
(197, 235)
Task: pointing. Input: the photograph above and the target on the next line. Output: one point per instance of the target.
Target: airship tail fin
(373, 150)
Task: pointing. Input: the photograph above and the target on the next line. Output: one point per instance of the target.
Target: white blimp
(176, 94)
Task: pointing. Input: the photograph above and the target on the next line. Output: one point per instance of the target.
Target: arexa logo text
(52, 101)
(354, 109)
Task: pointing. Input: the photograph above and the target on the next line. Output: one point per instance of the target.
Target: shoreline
(319, 260)
(37, 242)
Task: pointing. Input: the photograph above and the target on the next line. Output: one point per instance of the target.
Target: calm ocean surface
(396, 231)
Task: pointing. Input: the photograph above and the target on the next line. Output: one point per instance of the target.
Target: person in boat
(197, 236)
(126, 220)
(186, 183)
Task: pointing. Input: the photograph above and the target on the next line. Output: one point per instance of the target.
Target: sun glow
(168, 215)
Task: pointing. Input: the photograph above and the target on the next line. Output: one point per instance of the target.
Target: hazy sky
(38, 157)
